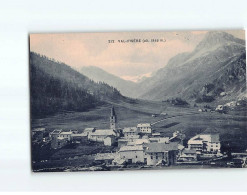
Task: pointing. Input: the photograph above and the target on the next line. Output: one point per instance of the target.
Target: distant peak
(214, 38)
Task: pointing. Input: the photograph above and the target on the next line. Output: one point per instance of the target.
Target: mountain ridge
(99, 75)
(191, 68)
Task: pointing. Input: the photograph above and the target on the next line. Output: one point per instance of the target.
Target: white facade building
(109, 140)
(130, 132)
(132, 154)
(66, 135)
(209, 143)
(136, 142)
(144, 128)
(100, 134)
(159, 139)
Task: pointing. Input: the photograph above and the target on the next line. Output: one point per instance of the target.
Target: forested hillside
(54, 87)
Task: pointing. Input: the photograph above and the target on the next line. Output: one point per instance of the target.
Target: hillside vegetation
(54, 87)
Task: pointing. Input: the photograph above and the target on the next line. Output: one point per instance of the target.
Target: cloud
(137, 78)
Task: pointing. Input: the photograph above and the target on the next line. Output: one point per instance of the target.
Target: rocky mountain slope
(217, 64)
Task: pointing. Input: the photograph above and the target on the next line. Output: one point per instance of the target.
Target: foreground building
(188, 155)
(132, 154)
(205, 143)
(162, 153)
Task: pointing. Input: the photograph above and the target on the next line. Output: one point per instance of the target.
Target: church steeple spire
(113, 118)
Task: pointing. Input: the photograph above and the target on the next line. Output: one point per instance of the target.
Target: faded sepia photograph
(138, 100)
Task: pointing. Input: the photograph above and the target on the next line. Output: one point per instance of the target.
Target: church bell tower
(113, 119)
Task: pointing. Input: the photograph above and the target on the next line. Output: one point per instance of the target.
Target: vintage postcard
(138, 100)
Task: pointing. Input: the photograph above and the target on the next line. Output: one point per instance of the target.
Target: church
(106, 135)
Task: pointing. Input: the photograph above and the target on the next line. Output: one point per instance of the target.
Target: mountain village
(140, 145)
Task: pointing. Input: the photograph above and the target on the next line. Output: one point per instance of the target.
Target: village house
(118, 160)
(162, 153)
(196, 143)
(61, 141)
(144, 128)
(136, 142)
(109, 140)
(177, 136)
(159, 139)
(38, 134)
(188, 155)
(157, 134)
(123, 142)
(54, 135)
(79, 137)
(66, 134)
(205, 143)
(100, 134)
(132, 154)
(130, 132)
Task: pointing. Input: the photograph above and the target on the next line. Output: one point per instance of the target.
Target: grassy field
(231, 126)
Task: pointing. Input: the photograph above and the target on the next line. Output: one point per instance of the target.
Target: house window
(136, 156)
(151, 157)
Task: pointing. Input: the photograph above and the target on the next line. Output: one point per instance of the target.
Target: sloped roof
(56, 131)
(144, 125)
(161, 147)
(189, 151)
(198, 138)
(138, 142)
(62, 138)
(215, 138)
(195, 142)
(104, 132)
(66, 133)
(79, 135)
(175, 139)
(123, 140)
(210, 137)
(154, 134)
(131, 148)
(129, 129)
